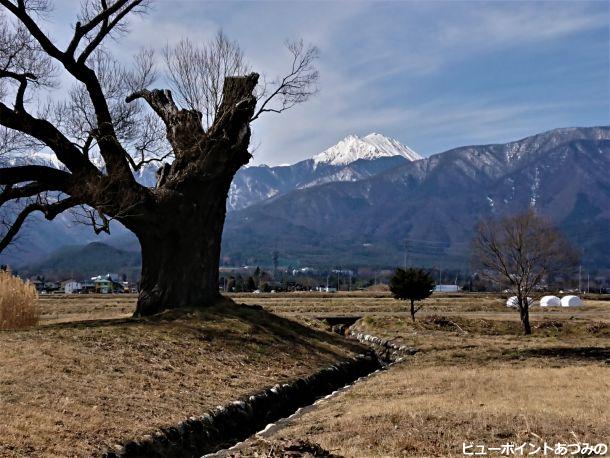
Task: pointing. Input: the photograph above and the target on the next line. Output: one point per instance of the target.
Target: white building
(571, 301)
(72, 286)
(550, 301)
(326, 289)
(514, 303)
(446, 288)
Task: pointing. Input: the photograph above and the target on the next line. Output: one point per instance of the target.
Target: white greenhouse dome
(571, 301)
(514, 303)
(550, 301)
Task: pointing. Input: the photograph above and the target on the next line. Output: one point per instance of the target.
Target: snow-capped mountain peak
(372, 146)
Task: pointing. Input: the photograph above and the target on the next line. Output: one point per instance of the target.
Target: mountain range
(373, 201)
(351, 159)
(432, 205)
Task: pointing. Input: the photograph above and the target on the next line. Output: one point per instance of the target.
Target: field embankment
(79, 388)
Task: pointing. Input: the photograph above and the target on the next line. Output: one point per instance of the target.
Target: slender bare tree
(519, 252)
(111, 124)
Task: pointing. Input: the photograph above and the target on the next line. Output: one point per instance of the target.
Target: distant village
(110, 283)
(234, 279)
(285, 279)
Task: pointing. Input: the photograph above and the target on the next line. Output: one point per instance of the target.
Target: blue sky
(432, 74)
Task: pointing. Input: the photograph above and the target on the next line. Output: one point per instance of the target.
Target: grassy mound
(78, 388)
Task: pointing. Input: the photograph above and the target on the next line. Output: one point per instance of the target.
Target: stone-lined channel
(228, 425)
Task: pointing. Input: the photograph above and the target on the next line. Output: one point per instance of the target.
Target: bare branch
(49, 135)
(297, 86)
(108, 24)
(80, 30)
(50, 211)
(197, 73)
(110, 148)
(39, 173)
(160, 100)
(20, 11)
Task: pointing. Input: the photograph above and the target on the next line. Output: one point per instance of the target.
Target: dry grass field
(60, 308)
(89, 376)
(475, 379)
(421, 411)
(76, 388)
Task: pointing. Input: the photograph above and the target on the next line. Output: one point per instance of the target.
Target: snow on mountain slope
(373, 146)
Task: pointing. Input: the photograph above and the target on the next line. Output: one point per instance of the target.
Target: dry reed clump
(18, 303)
(597, 327)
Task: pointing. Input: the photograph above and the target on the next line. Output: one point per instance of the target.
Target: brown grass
(431, 411)
(18, 303)
(75, 389)
(481, 305)
(475, 378)
(482, 381)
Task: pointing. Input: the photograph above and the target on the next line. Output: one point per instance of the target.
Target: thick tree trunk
(180, 255)
(180, 225)
(525, 319)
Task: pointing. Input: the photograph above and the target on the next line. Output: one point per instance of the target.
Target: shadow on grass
(568, 353)
(286, 329)
(252, 325)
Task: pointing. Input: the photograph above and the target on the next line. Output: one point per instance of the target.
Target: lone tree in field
(519, 252)
(412, 285)
(110, 125)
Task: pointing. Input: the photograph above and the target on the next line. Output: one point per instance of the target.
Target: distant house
(446, 288)
(102, 285)
(326, 289)
(38, 284)
(87, 287)
(107, 284)
(72, 286)
(51, 286)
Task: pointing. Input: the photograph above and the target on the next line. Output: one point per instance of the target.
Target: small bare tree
(520, 251)
(111, 124)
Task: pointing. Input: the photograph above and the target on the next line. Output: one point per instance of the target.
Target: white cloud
(378, 60)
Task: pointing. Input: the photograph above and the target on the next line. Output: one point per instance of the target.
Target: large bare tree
(519, 252)
(110, 124)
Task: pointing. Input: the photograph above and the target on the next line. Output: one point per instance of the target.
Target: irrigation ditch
(226, 427)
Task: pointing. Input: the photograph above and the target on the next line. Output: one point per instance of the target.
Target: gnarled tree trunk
(181, 231)
(180, 256)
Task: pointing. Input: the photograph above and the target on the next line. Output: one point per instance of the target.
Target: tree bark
(181, 253)
(525, 318)
(413, 310)
(180, 228)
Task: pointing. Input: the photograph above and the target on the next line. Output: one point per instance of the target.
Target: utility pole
(588, 284)
(579, 278)
(338, 273)
(406, 252)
